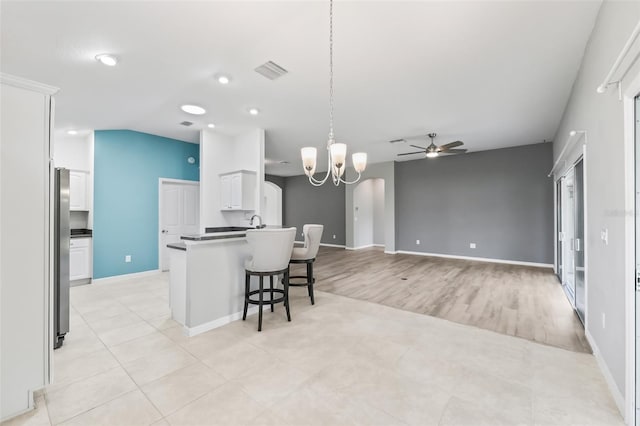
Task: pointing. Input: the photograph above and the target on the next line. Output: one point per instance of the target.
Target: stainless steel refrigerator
(62, 236)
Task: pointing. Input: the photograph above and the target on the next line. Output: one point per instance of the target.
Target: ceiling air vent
(271, 70)
(186, 123)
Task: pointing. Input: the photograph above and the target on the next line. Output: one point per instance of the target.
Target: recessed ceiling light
(254, 111)
(193, 109)
(107, 59)
(72, 132)
(211, 126)
(223, 79)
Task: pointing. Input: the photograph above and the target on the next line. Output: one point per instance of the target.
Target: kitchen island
(207, 279)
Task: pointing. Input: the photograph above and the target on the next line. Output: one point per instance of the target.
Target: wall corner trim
(613, 388)
(125, 277)
(477, 259)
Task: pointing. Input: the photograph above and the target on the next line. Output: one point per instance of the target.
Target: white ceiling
(492, 74)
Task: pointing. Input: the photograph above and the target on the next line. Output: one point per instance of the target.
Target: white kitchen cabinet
(80, 259)
(78, 190)
(238, 190)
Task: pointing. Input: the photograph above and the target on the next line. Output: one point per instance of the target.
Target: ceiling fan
(434, 150)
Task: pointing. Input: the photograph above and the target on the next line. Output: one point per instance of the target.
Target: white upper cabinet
(238, 191)
(79, 190)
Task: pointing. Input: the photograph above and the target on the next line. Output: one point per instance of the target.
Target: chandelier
(336, 152)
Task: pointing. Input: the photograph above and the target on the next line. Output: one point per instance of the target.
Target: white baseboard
(364, 247)
(324, 244)
(613, 388)
(477, 259)
(332, 245)
(124, 277)
(202, 328)
(390, 252)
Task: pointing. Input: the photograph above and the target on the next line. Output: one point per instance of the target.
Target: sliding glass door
(568, 235)
(559, 265)
(578, 242)
(570, 247)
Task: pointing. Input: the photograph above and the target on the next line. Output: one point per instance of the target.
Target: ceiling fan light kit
(336, 152)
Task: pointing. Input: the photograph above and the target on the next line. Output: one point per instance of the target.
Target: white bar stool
(307, 254)
(270, 253)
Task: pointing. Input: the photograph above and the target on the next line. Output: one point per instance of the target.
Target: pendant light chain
(336, 153)
(330, 71)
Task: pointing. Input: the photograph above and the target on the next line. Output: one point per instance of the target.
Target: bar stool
(307, 254)
(270, 253)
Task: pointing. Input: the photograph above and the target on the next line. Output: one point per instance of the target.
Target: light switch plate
(472, 245)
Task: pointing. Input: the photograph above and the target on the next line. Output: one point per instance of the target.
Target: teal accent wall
(127, 166)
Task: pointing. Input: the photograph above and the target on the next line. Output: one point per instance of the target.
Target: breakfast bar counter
(207, 280)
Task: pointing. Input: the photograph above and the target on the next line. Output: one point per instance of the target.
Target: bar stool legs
(310, 280)
(261, 290)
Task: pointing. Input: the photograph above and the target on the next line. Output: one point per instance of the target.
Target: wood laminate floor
(520, 301)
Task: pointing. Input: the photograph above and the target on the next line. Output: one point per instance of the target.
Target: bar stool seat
(270, 251)
(307, 255)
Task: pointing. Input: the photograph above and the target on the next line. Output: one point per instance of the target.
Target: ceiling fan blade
(454, 151)
(450, 145)
(412, 153)
(397, 140)
(419, 147)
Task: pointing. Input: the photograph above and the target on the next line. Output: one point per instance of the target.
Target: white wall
(368, 213)
(75, 152)
(222, 154)
(363, 214)
(386, 172)
(601, 116)
(378, 211)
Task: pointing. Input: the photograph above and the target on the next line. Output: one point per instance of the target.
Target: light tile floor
(340, 362)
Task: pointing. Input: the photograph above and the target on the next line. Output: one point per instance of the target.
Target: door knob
(164, 231)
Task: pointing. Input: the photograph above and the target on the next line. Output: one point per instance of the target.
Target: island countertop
(214, 236)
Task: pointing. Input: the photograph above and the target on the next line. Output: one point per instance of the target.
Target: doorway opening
(272, 204)
(178, 214)
(570, 247)
(369, 214)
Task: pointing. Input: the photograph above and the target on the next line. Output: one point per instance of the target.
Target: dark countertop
(81, 233)
(178, 246)
(214, 236)
(221, 233)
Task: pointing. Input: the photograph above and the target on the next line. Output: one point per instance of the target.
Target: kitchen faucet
(259, 221)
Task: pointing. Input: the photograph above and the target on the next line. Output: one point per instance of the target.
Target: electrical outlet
(472, 245)
(417, 242)
(334, 236)
(604, 323)
(127, 258)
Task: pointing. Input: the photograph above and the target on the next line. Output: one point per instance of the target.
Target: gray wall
(502, 200)
(601, 115)
(304, 203)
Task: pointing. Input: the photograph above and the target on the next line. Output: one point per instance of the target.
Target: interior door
(180, 215)
(578, 244)
(171, 221)
(190, 209)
